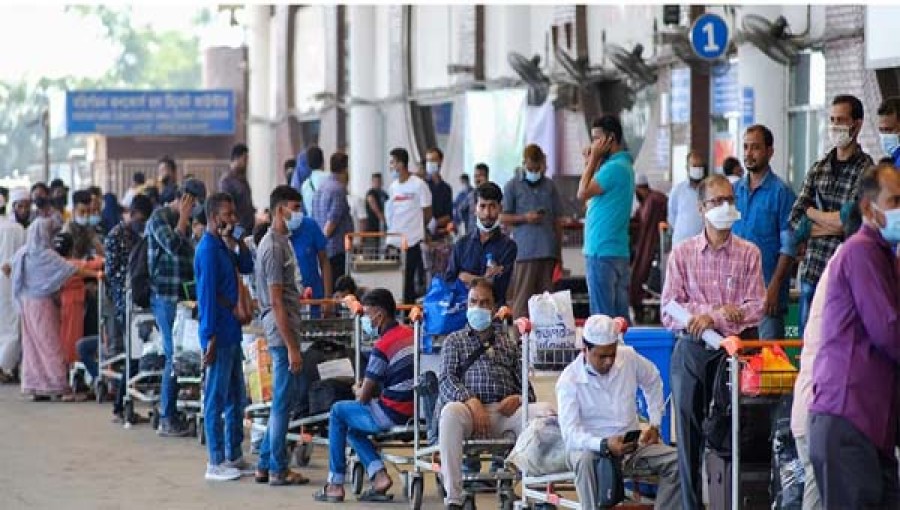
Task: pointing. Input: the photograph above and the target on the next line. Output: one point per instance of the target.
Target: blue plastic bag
(445, 309)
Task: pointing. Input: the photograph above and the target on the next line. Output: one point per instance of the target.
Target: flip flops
(373, 496)
(323, 496)
(287, 478)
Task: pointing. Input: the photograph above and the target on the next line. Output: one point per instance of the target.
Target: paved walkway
(62, 455)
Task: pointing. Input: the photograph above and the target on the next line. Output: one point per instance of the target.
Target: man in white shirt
(597, 408)
(407, 213)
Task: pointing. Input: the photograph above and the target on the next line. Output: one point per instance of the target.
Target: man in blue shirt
(487, 252)
(309, 244)
(607, 186)
(217, 261)
(765, 202)
(889, 128)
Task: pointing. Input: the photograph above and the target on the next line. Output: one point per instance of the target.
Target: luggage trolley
(398, 437)
(145, 386)
(187, 363)
(545, 489)
(106, 372)
(773, 386)
(334, 336)
(486, 449)
(376, 265)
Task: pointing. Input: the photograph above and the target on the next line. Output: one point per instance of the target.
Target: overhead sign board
(150, 112)
(709, 36)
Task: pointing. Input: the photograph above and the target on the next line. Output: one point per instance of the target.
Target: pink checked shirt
(702, 279)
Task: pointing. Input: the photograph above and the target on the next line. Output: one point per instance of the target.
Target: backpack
(717, 424)
(139, 273)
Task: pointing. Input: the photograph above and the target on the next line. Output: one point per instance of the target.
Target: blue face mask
(295, 221)
(891, 229)
(479, 318)
(196, 210)
(367, 326)
(395, 175)
(532, 177)
(82, 220)
(94, 220)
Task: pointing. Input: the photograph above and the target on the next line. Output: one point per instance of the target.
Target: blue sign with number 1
(709, 36)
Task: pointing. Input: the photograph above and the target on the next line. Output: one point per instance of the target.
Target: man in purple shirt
(853, 416)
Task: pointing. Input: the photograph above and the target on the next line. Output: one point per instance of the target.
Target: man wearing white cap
(597, 410)
(12, 237)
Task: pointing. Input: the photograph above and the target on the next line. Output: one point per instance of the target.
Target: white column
(260, 130)
(366, 138)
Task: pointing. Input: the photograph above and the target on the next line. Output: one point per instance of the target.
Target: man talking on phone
(598, 415)
(170, 259)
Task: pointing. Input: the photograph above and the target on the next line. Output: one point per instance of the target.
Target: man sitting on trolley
(598, 415)
(480, 387)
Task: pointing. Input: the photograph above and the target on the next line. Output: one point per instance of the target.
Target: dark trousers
(338, 268)
(413, 266)
(850, 471)
(693, 375)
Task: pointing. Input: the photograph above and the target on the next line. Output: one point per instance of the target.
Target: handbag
(610, 482)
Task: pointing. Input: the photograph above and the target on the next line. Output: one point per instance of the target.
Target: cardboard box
(258, 371)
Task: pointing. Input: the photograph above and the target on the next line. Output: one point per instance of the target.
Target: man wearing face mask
(853, 415)
(12, 237)
(829, 188)
(607, 187)
(480, 388)
(170, 260)
(717, 277)
(683, 213)
(279, 304)
(765, 202)
(441, 193)
(219, 259)
(597, 409)
(310, 245)
(82, 227)
(533, 209)
(390, 368)
(487, 252)
(889, 128)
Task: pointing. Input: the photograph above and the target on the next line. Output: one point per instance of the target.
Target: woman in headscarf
(38, 274)
(112, 212)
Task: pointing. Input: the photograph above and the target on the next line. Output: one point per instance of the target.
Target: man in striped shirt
(391, 368)
(717, 278)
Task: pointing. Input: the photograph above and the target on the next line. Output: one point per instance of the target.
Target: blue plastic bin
(655, 344)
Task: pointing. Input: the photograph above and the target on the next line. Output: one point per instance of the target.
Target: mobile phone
(632, 436)
(238, 232)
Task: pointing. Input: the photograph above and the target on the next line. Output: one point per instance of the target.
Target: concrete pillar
(263, 167)
(367, 153)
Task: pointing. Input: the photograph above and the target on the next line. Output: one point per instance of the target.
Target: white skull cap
(601, 330)
(18, 194)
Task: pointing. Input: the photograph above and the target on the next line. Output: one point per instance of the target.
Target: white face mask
(431, 167)
(696, 173)
(839, 136)
(485, 229)
(889, 143)
(723, 216)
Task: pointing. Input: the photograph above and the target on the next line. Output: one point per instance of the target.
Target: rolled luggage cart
(334, 336)
(144, 386)
(485, 449)
(380, 264)
(110, 365)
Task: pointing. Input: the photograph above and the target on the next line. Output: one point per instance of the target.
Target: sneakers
(221, 473)
(240, 464)
(168, 429)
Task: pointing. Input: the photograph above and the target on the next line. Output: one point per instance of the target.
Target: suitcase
(322, 394)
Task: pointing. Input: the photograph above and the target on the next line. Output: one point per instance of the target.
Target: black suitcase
(324, 393)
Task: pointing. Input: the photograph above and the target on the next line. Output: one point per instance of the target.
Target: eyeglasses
(717, 201)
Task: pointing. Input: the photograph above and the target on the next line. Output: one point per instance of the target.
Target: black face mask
(41, 202)
(59, 202)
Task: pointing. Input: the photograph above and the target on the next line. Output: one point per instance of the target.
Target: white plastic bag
(553, 337)
(540, 449)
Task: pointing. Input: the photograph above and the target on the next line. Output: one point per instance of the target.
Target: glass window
(806, 115)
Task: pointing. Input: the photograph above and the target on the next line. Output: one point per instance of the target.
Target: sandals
(287, 478)
(373, 496)
(261, 476)
(323, 496)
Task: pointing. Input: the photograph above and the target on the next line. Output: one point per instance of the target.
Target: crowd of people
(736, 240)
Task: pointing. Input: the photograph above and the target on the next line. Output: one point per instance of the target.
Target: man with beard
(235, 184)
(765, 202)
(645, 242)
(12, 237)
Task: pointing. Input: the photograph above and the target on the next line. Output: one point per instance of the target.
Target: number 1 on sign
(710, 30)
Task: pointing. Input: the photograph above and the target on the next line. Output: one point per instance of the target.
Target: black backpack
(139, 273)
(717, 424)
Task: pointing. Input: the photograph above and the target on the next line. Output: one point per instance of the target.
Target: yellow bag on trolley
(768, 373)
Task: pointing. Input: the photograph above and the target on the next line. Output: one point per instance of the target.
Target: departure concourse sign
(150, 112)
(709, 36)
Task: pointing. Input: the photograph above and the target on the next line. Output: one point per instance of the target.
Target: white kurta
(12, 237)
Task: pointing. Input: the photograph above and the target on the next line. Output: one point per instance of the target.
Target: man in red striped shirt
(390, 367)
(717, 277)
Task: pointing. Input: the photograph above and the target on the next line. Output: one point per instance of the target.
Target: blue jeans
(272, 450)
(225, 394)
(87, 352)
(608, 279)
(772, 328)
(351, 422)
(807, 290)
(164, 312)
